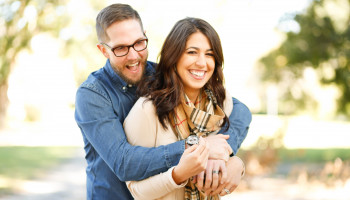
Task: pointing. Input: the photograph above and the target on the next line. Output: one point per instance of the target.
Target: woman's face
(196, 64)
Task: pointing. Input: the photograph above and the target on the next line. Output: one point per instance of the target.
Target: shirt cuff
(173, 153)
(170, 171)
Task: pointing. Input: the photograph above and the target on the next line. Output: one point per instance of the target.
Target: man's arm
(102, 128)
(192, 162)
(240, 119)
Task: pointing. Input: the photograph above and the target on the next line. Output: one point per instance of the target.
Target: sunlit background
(288, 61)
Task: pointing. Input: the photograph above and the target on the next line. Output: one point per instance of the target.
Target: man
(106, 97)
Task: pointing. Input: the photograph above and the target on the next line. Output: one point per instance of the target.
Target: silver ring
(215, 172)
(227, 191)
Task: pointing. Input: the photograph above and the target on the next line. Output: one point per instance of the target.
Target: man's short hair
(113, 13)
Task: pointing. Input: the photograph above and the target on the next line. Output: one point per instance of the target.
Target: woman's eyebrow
(197, 48)
(192, 48)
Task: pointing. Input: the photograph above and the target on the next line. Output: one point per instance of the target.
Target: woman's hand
(192, 162)
(235, 172)
(215, 174)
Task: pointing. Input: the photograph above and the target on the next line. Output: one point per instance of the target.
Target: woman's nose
(201, 62)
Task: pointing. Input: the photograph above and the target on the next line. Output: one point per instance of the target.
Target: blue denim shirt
(102, 103)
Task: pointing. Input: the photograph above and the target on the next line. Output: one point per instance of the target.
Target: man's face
(130, 67)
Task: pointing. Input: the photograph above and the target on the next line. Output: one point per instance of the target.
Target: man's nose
(132, 54)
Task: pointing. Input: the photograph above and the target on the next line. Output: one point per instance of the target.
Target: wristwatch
(192, 139)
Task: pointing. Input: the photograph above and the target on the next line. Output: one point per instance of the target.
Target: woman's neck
(192, 95)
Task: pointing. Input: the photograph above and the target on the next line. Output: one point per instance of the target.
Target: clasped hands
(207, 163)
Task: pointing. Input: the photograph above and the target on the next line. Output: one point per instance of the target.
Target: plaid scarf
(201, 118)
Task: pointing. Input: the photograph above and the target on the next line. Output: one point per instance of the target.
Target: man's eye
(139, 42)
(119, 48)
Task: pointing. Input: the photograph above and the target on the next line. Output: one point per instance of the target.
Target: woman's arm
(141, 129)
(142, 119)
(192, 162)
(154, 187)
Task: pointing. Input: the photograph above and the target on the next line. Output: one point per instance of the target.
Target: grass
(25, 163)
(302, 155)
(313, 155)
(319, 164)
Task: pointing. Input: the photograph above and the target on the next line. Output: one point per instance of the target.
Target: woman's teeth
(197, 73)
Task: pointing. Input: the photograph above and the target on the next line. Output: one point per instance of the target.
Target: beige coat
(143, 128)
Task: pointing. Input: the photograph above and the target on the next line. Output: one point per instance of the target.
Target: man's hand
(219, 149)
(235, 169)
(215, 168)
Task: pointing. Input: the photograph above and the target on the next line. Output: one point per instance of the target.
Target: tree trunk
(3, 103)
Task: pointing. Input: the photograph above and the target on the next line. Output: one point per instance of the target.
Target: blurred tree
(81, 40)
(318, 39)
(20, 21)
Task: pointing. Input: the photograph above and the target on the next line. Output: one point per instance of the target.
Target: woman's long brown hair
(165, 88)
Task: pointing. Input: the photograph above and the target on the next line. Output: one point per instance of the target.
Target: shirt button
(124, 88)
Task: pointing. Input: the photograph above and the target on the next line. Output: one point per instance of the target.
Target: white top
(143, 128)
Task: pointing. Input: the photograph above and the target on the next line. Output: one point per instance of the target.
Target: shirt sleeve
(102, 128)
(240, 119)
(154, 187)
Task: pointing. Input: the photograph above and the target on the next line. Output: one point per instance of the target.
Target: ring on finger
(227, 191)
(215, 172)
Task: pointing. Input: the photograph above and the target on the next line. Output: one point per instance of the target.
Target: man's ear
(103, 50)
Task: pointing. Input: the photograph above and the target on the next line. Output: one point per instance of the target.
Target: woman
(185, 97)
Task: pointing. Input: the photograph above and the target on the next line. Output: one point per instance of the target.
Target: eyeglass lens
(137, 46)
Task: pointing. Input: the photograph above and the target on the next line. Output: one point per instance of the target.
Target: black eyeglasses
(120, 51)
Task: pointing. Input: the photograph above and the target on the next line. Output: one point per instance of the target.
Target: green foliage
(82, 49)
(20, 21)
(323, 43)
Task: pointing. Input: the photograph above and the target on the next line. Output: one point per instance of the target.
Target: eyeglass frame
(133, 46)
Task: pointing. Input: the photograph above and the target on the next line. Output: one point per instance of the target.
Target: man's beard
(128, 80)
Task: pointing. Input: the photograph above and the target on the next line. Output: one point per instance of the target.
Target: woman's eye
(210, 54)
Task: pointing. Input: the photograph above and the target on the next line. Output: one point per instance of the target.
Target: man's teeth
(133, 65)
(197, 73)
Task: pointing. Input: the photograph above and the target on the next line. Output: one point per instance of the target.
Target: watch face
(192, 139)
